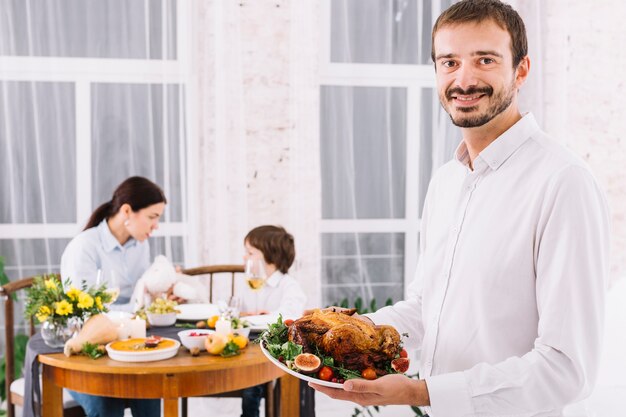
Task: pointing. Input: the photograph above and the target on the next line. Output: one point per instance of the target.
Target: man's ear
(521, 73)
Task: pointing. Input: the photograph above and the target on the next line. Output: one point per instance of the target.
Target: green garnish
(231, 349)
(92, 350)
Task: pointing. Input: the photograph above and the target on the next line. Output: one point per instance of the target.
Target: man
(514, 246)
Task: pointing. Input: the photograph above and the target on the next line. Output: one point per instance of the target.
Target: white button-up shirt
(508, 302)
(281, 294)
(97, 248)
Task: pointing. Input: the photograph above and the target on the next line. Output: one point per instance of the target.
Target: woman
(115, 242)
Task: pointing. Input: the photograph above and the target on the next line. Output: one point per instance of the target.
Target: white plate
(143, 356)
(307, 378)
(260, 322)
(195, 312)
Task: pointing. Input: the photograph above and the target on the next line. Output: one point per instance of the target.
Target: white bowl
(244, 331)
(191, 342)
(161, 320)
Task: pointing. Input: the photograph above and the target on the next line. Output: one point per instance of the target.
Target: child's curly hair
(275, 243)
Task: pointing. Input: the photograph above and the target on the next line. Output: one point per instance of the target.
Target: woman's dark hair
(138, 192)
(276, 245)
(468, 11)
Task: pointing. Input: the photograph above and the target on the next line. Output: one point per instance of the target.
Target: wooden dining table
(181, 376)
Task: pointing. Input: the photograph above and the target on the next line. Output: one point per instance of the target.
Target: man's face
(475, 77)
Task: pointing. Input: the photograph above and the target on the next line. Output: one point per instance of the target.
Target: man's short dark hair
(476, 11)
(275, 243)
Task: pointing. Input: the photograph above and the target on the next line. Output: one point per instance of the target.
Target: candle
(123, 330)
(223, 326)
(137, 328)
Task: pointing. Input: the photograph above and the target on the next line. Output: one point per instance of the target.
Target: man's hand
(389, 389)
(170, 296)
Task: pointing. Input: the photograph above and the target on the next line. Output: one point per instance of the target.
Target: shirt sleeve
(293, 299)
(79, 262)
(572, 262)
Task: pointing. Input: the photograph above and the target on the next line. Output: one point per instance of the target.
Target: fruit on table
(307, 362)
(211, 321)
(98, 330)
(201, 324)
(215, 343)
(241, 341)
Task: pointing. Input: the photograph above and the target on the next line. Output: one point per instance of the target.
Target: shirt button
(455, 229)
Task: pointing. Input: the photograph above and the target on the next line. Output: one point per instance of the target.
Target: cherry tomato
(325, 374)
(288, 322)
(404, 353)
(369, 373)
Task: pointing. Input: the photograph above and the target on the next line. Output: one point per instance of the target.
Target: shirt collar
(109, 242)
(274, 279)
(503, 147)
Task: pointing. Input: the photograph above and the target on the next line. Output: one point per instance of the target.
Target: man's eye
(486, 61)
(447, 64)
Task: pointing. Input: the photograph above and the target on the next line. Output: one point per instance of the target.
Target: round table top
(183, 362)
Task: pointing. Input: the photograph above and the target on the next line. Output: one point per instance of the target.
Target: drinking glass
(111, 280)
(255, 276)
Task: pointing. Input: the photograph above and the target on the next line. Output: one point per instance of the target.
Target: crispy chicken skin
(351, 342)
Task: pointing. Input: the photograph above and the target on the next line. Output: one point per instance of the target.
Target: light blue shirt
(97, 248)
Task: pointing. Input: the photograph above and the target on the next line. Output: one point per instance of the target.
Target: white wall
(584, 57)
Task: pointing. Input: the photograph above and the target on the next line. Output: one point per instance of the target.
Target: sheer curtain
(90, 93)
(368, 125)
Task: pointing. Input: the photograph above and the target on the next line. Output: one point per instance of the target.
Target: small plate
(260, 322)
(196, 312)
(149, 355)
(307, 378)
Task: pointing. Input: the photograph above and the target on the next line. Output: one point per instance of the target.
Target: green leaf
(4, 279)
(373, 305)
(388, 302)
(92, 350)
(231, 349)
(358, 304)
(344, 303)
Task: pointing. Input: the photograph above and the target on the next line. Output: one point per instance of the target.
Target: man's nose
(466, 77)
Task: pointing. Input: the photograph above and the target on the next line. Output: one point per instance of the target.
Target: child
(280, 293)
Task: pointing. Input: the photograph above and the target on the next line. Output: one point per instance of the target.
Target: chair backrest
(7, 292)
(221, 270)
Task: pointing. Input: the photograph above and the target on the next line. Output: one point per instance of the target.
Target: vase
(56, 333)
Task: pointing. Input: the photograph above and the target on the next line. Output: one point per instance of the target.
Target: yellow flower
(74, 293)
(64, 308)
(85, 301)
(43, 313)
(50, 284)
(99, 303)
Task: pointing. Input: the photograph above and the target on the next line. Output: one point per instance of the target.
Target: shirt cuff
(449, 395)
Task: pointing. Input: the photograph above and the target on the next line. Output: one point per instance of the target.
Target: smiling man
(508, 301)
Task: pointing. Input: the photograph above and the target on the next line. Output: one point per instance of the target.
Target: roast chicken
(352, 343)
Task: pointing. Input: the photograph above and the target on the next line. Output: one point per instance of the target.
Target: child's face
(251, 252)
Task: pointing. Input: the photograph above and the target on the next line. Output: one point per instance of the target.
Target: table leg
(289, 396)
(52, 395)
(170, 407)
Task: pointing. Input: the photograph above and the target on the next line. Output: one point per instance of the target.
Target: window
(90, 93)
(382, 134)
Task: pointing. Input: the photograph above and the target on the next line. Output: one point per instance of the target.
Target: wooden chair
(15, 388)
(224, 272)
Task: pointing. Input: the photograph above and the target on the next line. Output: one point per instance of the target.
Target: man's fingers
(358, 385)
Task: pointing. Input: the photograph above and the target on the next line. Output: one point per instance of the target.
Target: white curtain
(86, 100)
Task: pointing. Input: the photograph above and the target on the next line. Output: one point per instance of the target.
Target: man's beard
(499, 103)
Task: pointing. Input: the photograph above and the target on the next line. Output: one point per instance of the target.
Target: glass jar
(56, 333)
